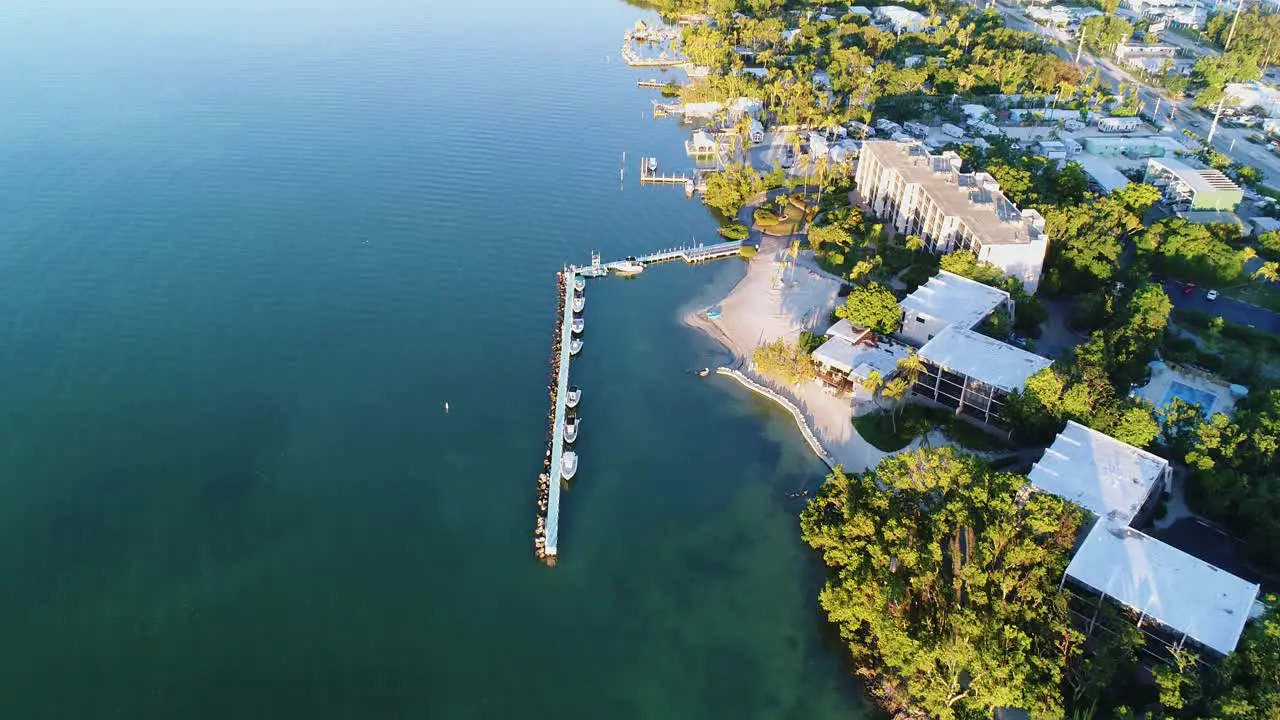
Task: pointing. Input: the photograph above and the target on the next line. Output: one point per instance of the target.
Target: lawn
(1264, 294)
(879, 429)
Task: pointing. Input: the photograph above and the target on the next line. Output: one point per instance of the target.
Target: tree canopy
(944, 586)
(873, 306)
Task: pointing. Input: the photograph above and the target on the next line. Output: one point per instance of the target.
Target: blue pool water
(1191, 396)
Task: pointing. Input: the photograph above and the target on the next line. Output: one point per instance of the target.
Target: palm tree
(895, 390)
(911, 367)
(873, 384)
(1270, 271)
(914, 243)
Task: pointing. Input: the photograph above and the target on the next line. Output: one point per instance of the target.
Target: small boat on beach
(575, 346)
(578, 325)
(579, 283)
(579, 302)
(630, 266)
(571, 429)
(569, 465)
(572, 397)
(714, 312)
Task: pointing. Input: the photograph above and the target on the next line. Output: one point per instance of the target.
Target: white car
(1211, 295)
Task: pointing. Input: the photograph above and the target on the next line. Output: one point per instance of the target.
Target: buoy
(446, 408)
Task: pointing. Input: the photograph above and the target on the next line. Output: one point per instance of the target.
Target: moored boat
(630, 266)
(579, 302)
(568, 464)
(579, 283)
(653, 165)
(571, 429)
(578, 325)
(575, 346)
(572, 397)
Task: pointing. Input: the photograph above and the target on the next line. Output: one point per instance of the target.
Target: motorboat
(568, 464)
(571, 429)
(579, 302)
(630, 266)
(579, 283)
(653, 165)
(578, 325)
(575, 346)
(572, 397)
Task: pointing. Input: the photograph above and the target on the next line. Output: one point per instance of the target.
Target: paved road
(1228, 309)
(1181, 114)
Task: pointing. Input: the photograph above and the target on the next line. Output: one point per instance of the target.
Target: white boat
(568, 464)
(575, 346)
(653, 165)
(579, 283)
(571, 430)
(630, 266)
(572, 397)
(579, 302)
(578, 325)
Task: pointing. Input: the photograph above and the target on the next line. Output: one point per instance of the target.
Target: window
(921, 320)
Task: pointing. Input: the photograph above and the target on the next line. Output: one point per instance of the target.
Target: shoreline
(778, 300)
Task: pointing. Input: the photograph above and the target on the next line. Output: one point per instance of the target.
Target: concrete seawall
(805, 430)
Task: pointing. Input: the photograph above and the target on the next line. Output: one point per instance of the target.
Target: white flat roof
(1102, 172)
(1109, 478)
(982, 358)
(847, 331)
(837, 353)
(861, 358)
(1200, 179)
(1181, 591)
(954, 299)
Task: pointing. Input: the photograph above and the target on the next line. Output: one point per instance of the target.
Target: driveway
(1224, 307)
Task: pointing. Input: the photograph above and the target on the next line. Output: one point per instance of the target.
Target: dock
(551, 524)
(653, 177)
(657, 85)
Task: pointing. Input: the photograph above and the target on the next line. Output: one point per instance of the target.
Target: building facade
(972, 373)
(919, 193)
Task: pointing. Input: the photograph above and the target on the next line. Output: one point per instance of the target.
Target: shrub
(765, 217)
(748, 251)
(736, 231)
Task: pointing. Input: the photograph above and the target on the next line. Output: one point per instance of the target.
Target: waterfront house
(849, 356)
(973, 374)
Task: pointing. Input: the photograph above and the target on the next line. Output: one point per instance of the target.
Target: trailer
(1119, 124)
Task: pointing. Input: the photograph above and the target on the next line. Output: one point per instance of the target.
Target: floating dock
(657, 85)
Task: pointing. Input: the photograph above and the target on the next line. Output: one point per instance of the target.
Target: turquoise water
(247, 254)
(1191, 396)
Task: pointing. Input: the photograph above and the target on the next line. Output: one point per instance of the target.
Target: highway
(1178, 114)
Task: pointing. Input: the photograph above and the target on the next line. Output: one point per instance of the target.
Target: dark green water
(246, 254)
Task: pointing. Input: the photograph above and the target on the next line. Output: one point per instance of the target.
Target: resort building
(1109, 478)
(849, 356)
(972, 373)
(949, 299)
(919, 193)
(1174, 596)
(1198, 188)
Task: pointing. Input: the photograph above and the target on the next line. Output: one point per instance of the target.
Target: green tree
(943, 586)
(729, 190)
(873, 306)
(784, 361)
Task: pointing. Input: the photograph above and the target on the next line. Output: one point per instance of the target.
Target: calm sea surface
(247, 251)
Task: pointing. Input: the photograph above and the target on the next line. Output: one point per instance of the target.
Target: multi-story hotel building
(919, 193)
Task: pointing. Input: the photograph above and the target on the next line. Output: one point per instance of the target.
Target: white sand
(772, 303)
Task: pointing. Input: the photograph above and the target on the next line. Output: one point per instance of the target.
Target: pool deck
(1157, 391)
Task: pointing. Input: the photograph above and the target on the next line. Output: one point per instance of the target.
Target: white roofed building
(923, 194)
(1191, 599)
(899, 19)
(949, 299)
(972, 373)
(1188, 599)
(1109, 478)
(851, 353)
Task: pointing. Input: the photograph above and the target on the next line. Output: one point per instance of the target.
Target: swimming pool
(1191, 396)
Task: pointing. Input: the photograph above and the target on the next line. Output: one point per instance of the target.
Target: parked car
(1211, 295)
(1189, 288)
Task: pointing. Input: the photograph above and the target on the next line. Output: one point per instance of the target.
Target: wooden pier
(653, 177)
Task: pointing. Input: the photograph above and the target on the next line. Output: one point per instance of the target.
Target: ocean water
(248, 250)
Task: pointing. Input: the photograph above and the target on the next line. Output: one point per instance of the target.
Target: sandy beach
(780, 300)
